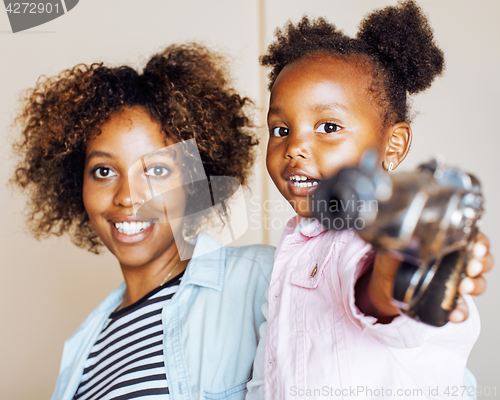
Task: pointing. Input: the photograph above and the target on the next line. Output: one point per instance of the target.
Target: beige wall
(47, 288)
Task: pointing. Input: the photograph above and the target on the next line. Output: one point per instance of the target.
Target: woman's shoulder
(108, 305)
(259, 257)
(252, 252)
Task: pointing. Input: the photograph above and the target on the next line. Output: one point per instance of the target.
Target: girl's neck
(304, 221)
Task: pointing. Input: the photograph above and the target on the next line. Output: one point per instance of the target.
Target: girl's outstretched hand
(374, 290)
(474, 284)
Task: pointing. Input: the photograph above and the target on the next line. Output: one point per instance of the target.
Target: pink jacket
(319, 345)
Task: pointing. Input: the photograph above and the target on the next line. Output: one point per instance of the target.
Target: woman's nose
(139, 186)
(123, 196)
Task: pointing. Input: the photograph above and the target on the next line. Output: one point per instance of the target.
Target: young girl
(332, 329)
(84, 134)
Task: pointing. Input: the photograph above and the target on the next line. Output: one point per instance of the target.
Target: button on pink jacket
(319, 345)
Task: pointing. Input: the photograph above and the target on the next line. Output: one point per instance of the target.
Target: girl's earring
(391, 166)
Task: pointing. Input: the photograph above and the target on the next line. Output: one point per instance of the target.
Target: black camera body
(428, 218)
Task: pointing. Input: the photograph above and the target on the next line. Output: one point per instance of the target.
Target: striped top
(127, 360)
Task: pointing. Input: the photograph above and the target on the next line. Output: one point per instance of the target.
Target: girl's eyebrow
(329, 106)
(274, 111)
(316, 107)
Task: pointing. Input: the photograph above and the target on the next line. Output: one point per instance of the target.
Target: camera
(428, 218)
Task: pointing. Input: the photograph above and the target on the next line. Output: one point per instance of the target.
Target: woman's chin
(136, 249)
(135, 257)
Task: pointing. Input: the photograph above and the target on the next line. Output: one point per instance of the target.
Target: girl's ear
(399, 138)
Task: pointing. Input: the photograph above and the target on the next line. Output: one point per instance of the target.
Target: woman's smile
(132, 227)
(132, 231)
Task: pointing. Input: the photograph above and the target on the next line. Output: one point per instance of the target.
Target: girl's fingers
(460, 313)
(466, 286)
(478, 266)
(481, 247)
(481, 240)
(479, 286)
(481, 260)
(473, 286)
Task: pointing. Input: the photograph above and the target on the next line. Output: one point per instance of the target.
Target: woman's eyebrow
(162, 152)
(98, 153)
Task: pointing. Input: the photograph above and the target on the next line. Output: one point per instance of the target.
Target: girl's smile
(300, 182)
(111, 169)
(320, 119)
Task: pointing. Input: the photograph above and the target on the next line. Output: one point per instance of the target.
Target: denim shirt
(210, 325)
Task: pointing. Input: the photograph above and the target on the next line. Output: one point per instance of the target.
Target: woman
(120, 158)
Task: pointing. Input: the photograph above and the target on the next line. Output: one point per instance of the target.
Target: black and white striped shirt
(127, 360)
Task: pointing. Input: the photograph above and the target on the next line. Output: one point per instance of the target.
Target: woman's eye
(104, 172)
(328, 127)
(157, 171)
(279, 131)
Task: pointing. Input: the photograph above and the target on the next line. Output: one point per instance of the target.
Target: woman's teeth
(298, 181)
(132, 228)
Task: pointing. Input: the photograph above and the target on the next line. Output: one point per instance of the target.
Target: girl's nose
(297, 146)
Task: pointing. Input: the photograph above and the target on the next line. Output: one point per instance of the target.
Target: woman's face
(114, 185)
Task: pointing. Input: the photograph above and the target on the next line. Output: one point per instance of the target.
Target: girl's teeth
(132, 228)
(299, 181)
(298, 178)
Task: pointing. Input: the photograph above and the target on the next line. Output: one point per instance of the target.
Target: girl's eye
(104, 172)
(279, 131)
(328, 127)
(157, 171)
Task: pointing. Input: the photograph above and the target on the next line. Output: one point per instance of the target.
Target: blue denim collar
(207, 265)
(206, 268)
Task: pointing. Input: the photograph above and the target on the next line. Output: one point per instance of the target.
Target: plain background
(47, 288)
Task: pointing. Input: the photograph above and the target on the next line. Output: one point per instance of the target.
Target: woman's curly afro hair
(184, 88)
(397, 42)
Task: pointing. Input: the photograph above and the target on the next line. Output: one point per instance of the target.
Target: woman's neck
(143, 279)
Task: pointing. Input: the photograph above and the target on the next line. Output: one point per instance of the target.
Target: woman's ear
(399, 138)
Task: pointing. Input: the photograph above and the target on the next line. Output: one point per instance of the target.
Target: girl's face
(320, 119)
(125, 139)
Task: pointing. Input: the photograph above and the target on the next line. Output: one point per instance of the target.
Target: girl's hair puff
(397, 42)
(184, 88)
